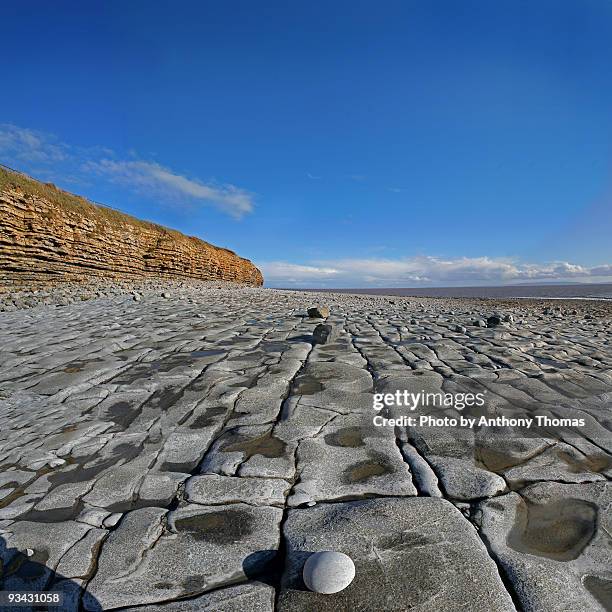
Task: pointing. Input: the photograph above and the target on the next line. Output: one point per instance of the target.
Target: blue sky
(333, 143)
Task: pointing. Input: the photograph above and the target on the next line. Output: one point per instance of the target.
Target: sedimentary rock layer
(49, 236)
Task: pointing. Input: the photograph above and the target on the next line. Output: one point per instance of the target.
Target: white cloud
(153, 178)
(41, 150)
(26, 145)
(295, 273)
(424, 270)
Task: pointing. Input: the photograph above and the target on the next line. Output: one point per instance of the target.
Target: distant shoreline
(601, 291)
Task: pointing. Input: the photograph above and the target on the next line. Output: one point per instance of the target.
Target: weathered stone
(93, 516)
(159, 489)
(248, 597)
(79, 561)
(318, 312)
(324, 333)
(201, 549)
(135, 399)
(64, 496)
(552, 542)
(213, 489)
(420, 553)
(561, 463)
(424, 477)
(461, 479)
(347, 461)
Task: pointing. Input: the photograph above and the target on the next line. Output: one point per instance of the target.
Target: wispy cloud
(424, 270)
(278, 271)
(313, 177)
(152, 178)
(19, 146)
(31, 146)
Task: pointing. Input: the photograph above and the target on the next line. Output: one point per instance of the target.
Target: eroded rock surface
(409, 554)
(189, 452)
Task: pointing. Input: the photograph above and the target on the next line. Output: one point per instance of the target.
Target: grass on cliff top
(69, 201)
(78, 204)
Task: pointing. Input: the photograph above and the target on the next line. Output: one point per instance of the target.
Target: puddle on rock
(206, 353)
(590, 463)
(266, 445)
(307, 385)
(79, 364)
(552, 363)
(69, 428)
(495, 460)
(377, 465)
(223, 527)
(558, 530)
(601, 589)
(349, 437)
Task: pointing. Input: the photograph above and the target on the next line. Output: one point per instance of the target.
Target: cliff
(49, 236)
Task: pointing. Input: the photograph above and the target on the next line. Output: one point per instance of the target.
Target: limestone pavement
(191, 452)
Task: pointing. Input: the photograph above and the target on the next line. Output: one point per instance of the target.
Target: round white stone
(328, 572)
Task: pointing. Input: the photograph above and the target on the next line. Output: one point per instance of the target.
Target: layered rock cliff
(49, 236)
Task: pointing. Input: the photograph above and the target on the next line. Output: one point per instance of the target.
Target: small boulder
(479, 323)
(494, 321)
(328, 571)
(165, 294)
(318, 312)
(323, 333)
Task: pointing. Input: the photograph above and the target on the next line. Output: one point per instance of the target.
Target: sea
(592, 291)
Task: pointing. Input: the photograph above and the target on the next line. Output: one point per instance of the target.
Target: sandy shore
(189, 452)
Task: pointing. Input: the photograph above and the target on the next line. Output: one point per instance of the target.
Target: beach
(186, 446)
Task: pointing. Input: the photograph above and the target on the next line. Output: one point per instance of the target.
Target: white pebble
(328, 571)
